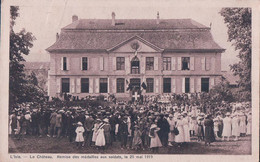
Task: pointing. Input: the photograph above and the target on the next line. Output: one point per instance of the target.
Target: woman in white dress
(179, 139)
(96, 125)
(100, 140)
(155, 140)
(186, 128)
(235, 126)
(171, 135)
(193, 125)
(226, 127)
(216, 127)
(249, 124)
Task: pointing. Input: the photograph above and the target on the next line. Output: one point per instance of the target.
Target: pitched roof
(134, 24)
(170, 34)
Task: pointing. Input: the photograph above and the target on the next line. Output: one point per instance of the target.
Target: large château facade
(103, 56)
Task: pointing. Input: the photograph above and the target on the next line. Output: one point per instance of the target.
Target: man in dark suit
(164, 130)
(123, 131)
(89, 123)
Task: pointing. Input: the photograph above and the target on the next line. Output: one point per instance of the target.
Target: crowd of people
(149, 125)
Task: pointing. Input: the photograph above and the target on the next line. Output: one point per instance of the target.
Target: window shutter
(199, 85)
(173, 85)
(213, 63)
(68, 63)
(156, 85)
(156, 62)
(203, 61)
(183, 85)
(88, 63)
(192, 63)
(212, 81)
(101, 62)
(81, 67)
(58, 82)
(61, 63)
(192, 88)
(114, 85)
(97, 85)
(108, 85)
(78, 86)
(173, 63)
(72, 87)
(127, 65)
(114, 63)
(179, 63)
(207, 63)
(90, 85)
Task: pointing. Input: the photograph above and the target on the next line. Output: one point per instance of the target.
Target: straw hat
(105, 120)
(79, 123)
(153, 126)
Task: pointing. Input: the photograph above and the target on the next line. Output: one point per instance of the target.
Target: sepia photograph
(129, 79)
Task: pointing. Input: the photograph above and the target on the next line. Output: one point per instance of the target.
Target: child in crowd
(79, 131)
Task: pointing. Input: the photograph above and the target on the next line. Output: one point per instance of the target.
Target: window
(84, 63)
(149, 63)
(185, 63)
(166, 85)
(135, 64)
(135, 83)
(204, 84)
(84, 85)
(65, 85)
(64, 62)
(103, 85)
(149, 88)
(120, 85)
(187, 85)
(120, 63)
(166, 63)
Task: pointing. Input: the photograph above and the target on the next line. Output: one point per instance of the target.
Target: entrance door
(135, 83)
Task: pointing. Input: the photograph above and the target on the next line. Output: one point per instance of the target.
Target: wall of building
(103, 65)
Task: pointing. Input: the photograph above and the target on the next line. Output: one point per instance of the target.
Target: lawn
(31, 144)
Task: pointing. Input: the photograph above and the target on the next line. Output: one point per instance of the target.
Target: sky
(45, 19)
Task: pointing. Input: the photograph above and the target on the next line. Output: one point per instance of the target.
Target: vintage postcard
(133, 80)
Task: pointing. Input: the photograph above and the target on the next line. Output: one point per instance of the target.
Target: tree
(221, 92)
(20, 87)
(238, 21)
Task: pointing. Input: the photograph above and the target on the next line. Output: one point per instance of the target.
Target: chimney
(74, 18)
(57, 36)
(158, 18)
(113, 19)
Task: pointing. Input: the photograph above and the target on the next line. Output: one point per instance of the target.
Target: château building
(105, 56)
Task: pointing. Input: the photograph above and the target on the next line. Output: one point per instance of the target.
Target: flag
(144, 85)
(129, 86)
